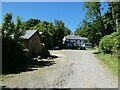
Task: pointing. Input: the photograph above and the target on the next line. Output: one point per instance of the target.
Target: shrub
(109, 43)
(12, 55)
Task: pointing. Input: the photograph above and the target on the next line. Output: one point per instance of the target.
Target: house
(75, 41)
(32, 44)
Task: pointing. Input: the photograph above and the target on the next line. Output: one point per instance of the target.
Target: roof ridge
(28, 34)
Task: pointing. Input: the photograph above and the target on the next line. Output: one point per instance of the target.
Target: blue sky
(71, 13)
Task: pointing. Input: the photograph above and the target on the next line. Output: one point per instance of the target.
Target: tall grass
(111, 61)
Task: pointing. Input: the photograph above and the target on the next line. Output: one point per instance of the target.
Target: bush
(109, 43)
(12, 55)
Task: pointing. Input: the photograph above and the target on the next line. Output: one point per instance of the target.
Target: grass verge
(110, 61)
(3, 77)
(90, 48)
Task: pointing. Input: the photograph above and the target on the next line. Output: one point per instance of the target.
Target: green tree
(47, 29)
(115, 6)
(12, 49)
(52, 34)
(7, 25)
(94, 13)
(58, 33)
(18, 23)
(108, 21)
(91, 30)
(67, 31)
(95, 25)
(82, 29)
(29, 23)
(18, 31)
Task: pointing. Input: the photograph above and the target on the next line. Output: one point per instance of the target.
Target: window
(73, 41)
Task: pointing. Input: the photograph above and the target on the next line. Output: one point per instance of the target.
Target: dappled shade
(29, 67)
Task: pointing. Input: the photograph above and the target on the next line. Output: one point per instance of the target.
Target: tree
(52, 34)
(47, 30)
(93, 10)
(115, 6)
(94, 13)
(95, 25)
(29, 23)
(108, 21)
(7, 25)
(12, 49)
(91, 30)
(18, 23)
(67, 31)
(18, 32)
(82, 29)
(58, 33)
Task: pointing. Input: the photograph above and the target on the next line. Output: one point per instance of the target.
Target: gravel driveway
(73, 69)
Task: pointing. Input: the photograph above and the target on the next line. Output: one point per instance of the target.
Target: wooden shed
(32, 44)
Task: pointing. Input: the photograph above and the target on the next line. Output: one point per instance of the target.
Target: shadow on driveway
(31, 65)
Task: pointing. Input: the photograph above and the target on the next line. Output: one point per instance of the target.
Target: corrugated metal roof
(74, 37)
(28, 34)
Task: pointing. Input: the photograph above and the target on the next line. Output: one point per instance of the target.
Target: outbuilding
(32, 44)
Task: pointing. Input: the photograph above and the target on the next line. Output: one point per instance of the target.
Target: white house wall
(70, 40)
(75, 43)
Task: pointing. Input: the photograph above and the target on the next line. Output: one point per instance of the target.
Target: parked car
(82, 47)
(56, 47)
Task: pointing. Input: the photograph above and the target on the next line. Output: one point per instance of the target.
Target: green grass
(90, 48)
(110, 61)
(3, 77)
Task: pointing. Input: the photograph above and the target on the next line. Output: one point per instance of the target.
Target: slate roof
(28, 34)
(74, 37)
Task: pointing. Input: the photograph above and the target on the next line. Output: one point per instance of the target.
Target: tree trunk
(117, 25)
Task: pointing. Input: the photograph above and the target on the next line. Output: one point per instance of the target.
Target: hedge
(109, 43)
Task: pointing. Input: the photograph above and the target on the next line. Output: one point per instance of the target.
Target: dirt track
(73, 69)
